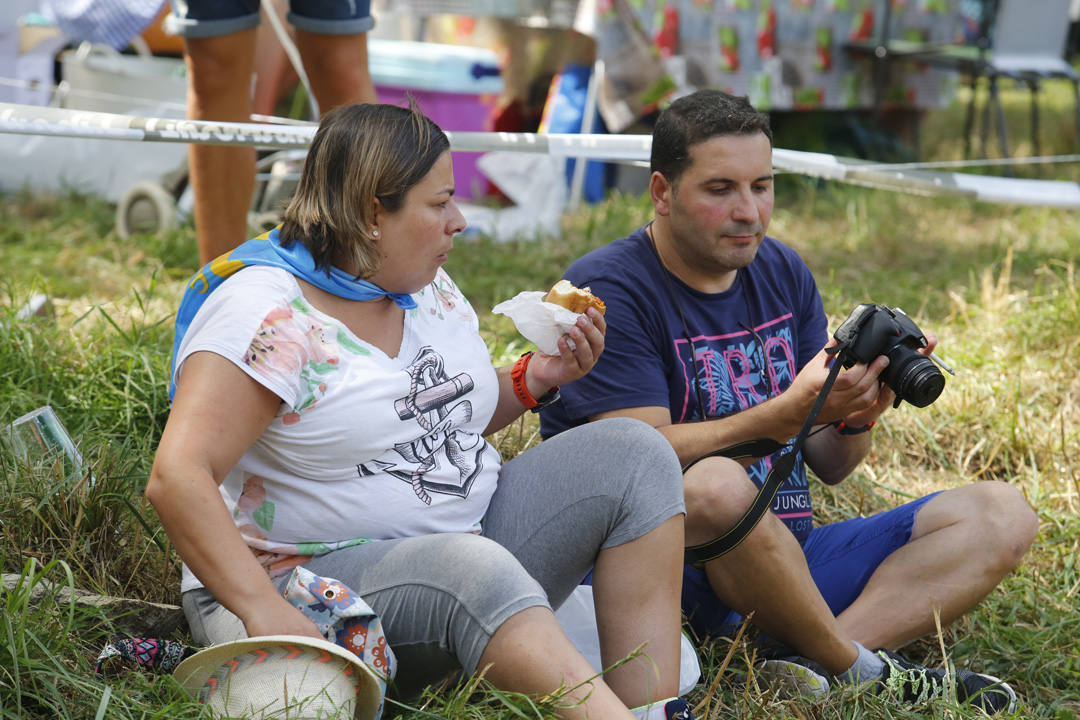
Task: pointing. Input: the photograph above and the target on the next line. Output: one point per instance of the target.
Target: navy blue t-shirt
(647, 354)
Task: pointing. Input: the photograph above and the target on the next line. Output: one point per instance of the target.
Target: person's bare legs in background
(220, 70)
(275, 76)
(222, 178)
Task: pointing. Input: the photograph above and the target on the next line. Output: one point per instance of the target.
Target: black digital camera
(872, 330)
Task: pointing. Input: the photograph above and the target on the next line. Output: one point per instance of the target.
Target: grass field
(997, 284)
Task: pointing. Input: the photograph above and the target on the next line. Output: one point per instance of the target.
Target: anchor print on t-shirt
(734, 375)
(435, 402)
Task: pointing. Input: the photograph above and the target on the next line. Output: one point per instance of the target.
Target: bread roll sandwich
(574, 298)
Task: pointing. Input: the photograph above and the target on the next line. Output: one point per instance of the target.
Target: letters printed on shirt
(737, 371)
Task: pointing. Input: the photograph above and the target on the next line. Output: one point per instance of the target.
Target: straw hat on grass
(291, 676)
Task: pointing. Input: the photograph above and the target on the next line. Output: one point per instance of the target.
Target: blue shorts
(841, 556)
(210, 18)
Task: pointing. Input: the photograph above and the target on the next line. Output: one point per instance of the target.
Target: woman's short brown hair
(360, 153)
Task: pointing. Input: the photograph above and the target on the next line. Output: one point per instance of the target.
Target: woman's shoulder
(260, 279)
(253, 289)
(244, 299)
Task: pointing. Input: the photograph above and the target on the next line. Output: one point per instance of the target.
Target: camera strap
(780, 471)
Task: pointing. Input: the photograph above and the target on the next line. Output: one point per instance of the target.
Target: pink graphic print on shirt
(253, 501)
(449, 298)
(284, 347)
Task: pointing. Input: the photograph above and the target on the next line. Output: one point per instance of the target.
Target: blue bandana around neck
(266, 249)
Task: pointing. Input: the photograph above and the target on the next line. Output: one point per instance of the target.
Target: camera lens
(914, 377)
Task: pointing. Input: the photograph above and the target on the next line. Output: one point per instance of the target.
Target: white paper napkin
(541, 323)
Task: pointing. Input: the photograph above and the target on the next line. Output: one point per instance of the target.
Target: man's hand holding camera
(858, 391)
(877, 398)
(885, 358)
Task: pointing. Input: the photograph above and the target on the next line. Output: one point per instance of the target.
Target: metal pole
(577, 181)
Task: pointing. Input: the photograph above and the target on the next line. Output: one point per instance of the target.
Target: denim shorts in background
(210, 18)
(842, 556)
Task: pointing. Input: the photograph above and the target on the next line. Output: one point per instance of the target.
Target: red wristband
(517, 381)
(844, 429)
(521, 390)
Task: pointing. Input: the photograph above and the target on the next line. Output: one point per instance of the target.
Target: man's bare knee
(1000, 524)
(1009, 520)
(718, 492)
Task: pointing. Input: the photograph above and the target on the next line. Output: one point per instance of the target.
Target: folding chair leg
(1003, 139)
(1033, 86)
(969, 117)
(916, 134)
(1076, 99)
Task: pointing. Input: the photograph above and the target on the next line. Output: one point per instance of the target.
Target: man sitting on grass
(715, 336)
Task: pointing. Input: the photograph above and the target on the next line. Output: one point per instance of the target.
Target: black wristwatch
(546, 399)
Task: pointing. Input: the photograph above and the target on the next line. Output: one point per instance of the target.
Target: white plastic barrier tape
(36, 120)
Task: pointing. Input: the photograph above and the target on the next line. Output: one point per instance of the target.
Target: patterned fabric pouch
(345, 619)
(153, 654)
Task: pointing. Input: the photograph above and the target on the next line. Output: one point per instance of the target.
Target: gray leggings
(441, 597)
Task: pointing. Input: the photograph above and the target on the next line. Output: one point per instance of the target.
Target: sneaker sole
(792, 679)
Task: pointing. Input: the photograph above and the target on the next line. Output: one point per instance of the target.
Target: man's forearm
(779, 419)
(833, 456)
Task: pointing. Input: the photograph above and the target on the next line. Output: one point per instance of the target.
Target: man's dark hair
(696, 118)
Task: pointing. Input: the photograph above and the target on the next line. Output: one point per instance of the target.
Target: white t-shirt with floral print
(364, 446)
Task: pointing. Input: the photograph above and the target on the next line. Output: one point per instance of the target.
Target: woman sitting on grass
(338, 423)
